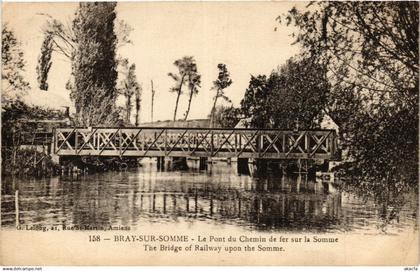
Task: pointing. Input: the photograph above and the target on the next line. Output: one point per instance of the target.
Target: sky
(238, 34)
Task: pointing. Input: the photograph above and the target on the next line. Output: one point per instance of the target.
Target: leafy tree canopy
(223, 81)
(14, 86)
(296, 93)
(94, 64)
(187, 74)
(226, 116)
(370, 54)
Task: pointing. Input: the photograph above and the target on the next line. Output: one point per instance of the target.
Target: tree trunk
(189, 104)
(137, 116)
(176, 105)
(177, 97)
(153, 98)
(213, 109)
(14, 151)
(128, 108)
(137, 109)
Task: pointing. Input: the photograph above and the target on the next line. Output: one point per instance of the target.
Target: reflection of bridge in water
(196, 142)
(291, 203)
(292, 206)
(193, 198)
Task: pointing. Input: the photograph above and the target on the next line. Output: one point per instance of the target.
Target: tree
(194, 81)
(376, 41)
(283, 99)
(60, 38)
(14, 86)
(293, 100)
(185, 66)
(44, 61)
(15, 132)
(94, 64)
(130, 87)
(369, 49)
(370, 54)
(226, 116)
(153, 99)
(254, 103)
(73, 41)
(223, 81)
(138, 103)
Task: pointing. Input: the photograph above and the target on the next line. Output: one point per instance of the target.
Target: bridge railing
(199, 142)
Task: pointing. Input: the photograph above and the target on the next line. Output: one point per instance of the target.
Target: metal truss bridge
(195, 142)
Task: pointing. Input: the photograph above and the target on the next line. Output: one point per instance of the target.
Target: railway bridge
(195, 142)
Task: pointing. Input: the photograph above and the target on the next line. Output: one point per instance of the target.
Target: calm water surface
(218, 197)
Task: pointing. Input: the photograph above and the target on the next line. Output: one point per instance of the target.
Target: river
(218, 197)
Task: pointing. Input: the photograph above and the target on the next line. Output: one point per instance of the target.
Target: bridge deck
(198, 142)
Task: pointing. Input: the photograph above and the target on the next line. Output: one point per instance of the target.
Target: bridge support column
(203, 163)
(54, 157)
(210, 164)
(283, 168)
(161, 163)
(311, 172)
(179, 163)
(325, 166)
(242, 166)
(261, 167)
(302, 166)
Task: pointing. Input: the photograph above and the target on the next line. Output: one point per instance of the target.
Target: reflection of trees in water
(123, 200)
(391, 207)
(100, 202)
(39, 200)
(265, 204)
(132, 198)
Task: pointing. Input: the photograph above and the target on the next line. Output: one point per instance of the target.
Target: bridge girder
(196, 142)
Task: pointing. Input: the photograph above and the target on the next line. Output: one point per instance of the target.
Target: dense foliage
(370, 52)
(14, 158)
(226, 116)
(94, 64)
(75, 42)
(44, 61)
(223, 81)
(253, 105)
(295, 94)
(130, 89)
(299, 94)
(187, 74)
(13, 83)
(194, 82)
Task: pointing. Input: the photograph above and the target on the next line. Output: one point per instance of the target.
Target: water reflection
(217, 196)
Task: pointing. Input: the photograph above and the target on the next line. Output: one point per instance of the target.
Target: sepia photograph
(210, 133)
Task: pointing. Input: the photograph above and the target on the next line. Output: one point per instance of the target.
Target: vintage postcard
(209, 133)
